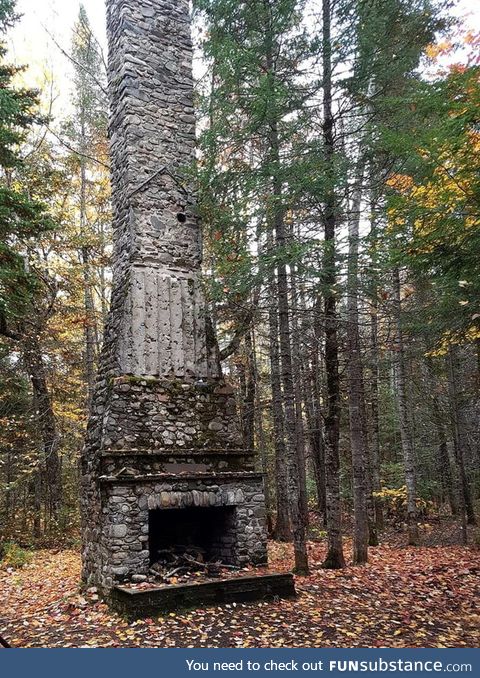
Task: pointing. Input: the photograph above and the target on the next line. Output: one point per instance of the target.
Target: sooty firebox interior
(209, 531)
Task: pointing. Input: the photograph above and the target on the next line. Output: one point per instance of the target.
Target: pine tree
(87, 131)
(21, 218)
(256, 48)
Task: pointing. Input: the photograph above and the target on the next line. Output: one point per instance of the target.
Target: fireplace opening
(204, 535)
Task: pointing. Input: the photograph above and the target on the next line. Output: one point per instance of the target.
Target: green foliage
(256, 52)
(433, 202)
(315, 533)
(42, 281)
(8, 17)
(87, 127)
(21, 218)
(392, 474)
(391, 36)
(13, 556)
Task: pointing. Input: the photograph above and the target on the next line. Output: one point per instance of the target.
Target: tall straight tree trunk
(445, 470)
(296, 518)
(261, 444)
(375, 421)
(282, 523)
(37, 503)
(310, 378)
(90, 329)
(356, 393)
(459, 438)
(8, 491)
(297, 380)
(91, 338)
(311, 398)
(374, 371)
(87, 126)
(46, 419)
(335, 558)
(277, 223)
(318, 423)
(404, 418)
(250, 393)
(241, 396)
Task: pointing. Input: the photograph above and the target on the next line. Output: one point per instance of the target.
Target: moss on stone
(134, 379)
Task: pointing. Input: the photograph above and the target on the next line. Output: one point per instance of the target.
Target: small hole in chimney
(181, 217)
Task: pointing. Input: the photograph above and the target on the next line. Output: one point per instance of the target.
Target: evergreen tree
(21, 218)
(87, 132)
(256, 49)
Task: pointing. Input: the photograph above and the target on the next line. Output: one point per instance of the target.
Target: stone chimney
(163, 445)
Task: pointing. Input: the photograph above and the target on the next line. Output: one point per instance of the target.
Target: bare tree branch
(77, 151)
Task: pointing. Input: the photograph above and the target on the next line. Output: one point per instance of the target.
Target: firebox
(203, 534)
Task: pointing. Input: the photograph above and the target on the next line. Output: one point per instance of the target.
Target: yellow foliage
(402, 183)
(449, 339)
(438, 49)
(396, 499)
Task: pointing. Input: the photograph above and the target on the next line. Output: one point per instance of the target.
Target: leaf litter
(404, 597)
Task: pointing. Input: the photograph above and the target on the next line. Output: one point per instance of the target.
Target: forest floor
(405, 597)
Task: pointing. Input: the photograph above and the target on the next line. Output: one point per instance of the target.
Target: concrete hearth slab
(147, 602)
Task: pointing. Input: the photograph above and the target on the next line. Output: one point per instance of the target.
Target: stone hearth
(136, 603)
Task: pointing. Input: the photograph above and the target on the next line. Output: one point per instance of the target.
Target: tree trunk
(282, 523)
(311, 399)
(356, 394)
(459, 439)
(9, 497)
(239, 366)
(404, 418)
(90, 324)
(297, 381)
(318, 397)
(375, 422)
(261, 445)
(374, 376)
(250, 394)
(335, 558)
(46, 419)
(275, 214)
(310, 377)
(444, 467)
(296, 518)
(37, 503)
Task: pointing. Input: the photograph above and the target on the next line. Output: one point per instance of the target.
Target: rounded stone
(119, 531)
